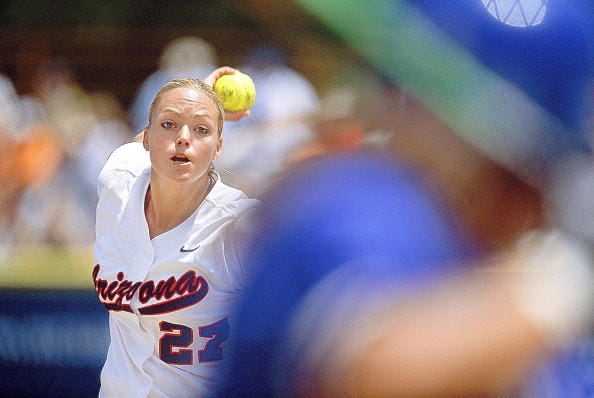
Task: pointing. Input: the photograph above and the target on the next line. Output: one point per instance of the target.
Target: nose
(183, 136)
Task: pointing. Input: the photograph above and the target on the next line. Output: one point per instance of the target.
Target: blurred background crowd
(54, 141)
(59, 124)
(56, 137)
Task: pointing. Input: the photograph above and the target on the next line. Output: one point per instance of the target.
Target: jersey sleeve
(239, 241)
(130, 158)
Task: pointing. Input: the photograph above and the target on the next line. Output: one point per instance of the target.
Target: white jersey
(168, 297)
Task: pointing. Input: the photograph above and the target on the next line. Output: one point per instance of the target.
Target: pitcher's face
(183, 136)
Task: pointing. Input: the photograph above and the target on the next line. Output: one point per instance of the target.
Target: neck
(168, 206)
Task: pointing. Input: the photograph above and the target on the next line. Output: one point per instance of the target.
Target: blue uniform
(364, 213)
(372, 222)
(569, 375)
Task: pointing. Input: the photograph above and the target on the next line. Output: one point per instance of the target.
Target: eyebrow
(170, 110)
(175, 111)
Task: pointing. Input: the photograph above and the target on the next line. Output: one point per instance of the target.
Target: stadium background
(53, 333)
(114, 45)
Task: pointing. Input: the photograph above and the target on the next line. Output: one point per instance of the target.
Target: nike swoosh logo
(183, 249)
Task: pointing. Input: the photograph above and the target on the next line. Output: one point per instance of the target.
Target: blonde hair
(193, 84)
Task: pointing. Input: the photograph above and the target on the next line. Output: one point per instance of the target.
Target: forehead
(184, 99)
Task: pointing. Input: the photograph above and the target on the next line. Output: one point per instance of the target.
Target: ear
(145, 135)
(219, 148)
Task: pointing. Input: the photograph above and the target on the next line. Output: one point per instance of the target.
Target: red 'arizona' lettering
(171, 293)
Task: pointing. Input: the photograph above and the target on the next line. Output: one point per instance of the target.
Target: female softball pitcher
(168, 247)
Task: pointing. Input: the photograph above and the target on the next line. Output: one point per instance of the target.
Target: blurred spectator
(61, 137)
(8, 132)
(108, 130)
(256, 148)
(31, 156)
(348, 119)
(186, 56)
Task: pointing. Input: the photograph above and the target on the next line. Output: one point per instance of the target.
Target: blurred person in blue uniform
(371, 278)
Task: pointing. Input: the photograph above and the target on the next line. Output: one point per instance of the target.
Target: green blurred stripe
(474, 102)
(394, 38)
(47, 267)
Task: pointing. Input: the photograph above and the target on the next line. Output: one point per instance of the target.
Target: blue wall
(52, 343)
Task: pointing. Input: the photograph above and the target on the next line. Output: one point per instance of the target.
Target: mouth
(180, 159)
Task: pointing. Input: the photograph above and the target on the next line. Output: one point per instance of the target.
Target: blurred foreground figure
(372, 279)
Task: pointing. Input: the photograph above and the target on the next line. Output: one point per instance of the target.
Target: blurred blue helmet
(544, 47)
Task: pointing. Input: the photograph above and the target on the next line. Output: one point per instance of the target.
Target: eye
(202, 130)
(167, 124)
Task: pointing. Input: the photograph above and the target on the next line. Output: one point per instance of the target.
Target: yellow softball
(237, 91)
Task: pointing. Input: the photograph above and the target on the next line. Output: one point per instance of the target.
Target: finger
(235, 116)
(139, 137)
(217, 73)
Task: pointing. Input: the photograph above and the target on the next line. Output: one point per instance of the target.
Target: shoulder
(130, 156)
(231, 201)
(231, 207)
(123, 166)
(342, 183)
(366, 203)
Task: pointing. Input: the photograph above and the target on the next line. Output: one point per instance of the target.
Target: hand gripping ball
(236, 91)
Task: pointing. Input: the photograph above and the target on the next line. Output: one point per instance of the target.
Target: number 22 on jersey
(173, 344)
